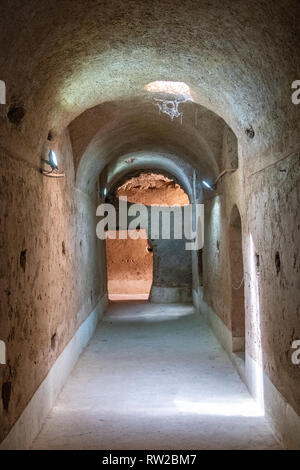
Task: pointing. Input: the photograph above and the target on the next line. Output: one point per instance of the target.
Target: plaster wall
(50, 275)
(268, 200)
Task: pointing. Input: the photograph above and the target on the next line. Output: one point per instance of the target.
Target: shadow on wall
(237, 281)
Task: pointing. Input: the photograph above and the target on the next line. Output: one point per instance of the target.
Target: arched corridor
(178, 121)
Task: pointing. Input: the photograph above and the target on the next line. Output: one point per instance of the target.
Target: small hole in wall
(15, 114)
(218, 245)
(53, 341)
(257, 263)
(50, 135)
(250, 132)
(23, 259)
(63, 248)
(6, 394)
(277, 262)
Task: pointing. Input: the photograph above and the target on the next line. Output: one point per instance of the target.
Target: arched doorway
(237, 282)
(133, 262)
(129, 265)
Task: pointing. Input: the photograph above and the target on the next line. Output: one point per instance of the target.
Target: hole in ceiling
(173, 88)
(153, 189)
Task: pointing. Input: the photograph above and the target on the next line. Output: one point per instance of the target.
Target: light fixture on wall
(213, 186)
(102, 193)
(206, 184)
(52, 160)
(53, 163)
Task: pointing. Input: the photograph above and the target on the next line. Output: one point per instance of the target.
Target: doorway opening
(129, 265)
(132, 257)
(237, 283)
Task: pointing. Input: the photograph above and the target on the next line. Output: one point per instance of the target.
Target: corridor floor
(154, 377)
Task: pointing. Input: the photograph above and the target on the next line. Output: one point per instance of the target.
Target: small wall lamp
(206, 184)
(52, 160)
(53, 163)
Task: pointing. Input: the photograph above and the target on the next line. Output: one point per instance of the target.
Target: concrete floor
(154, 377)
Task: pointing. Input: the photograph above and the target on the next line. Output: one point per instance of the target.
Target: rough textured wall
(236, 274)
(229, 149)
(273, 209)
(216, 256)
(268, 199)
(215, 262)
(49, 273)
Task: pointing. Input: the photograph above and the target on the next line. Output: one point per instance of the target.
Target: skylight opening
(172, 88)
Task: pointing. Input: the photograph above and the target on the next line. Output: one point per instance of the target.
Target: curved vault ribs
(131, 128)
(170, 165)
(116, 53)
